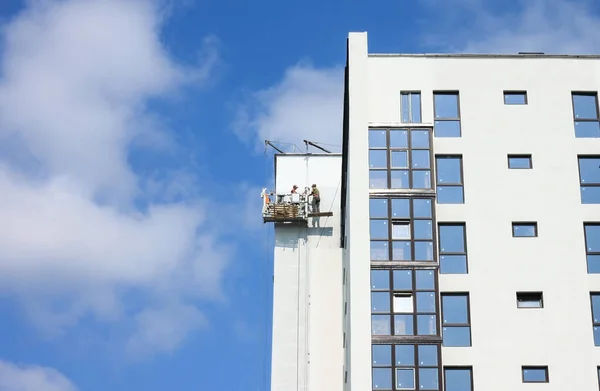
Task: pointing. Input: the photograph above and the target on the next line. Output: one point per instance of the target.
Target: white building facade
(469, 227)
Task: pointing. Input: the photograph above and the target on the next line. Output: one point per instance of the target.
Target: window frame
(410, 93)
(523, 93)
(523, 224)
(442, 253)
(535, 367)
(581, 184)
(415, 366)
(412, 219)
(435, 119)
(456, 325)
(458, 368)
(524, 294)
(592, 120)
(594, 322)
(460, 184)
(392, 293)
(389, 168)
(520, 156)
(589, 253)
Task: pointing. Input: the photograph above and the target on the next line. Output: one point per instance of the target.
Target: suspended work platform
(289, 208)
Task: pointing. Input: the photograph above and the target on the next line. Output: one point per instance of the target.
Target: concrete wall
(307, 302)
(503, 337)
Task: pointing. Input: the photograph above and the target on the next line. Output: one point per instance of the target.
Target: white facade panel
(307, 304)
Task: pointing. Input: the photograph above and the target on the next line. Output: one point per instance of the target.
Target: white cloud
(32, 378)
(307, 104)
(75, 79)
(550, 26)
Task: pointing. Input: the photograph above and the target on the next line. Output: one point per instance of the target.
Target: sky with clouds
(132, 253)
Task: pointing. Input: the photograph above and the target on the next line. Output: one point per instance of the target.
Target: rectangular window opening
(519, 162)
(452, 248)
(524, 230)
(410, 107)
(530, 300)
(535, 374)
(449, 179)
(458, 378)
(515, 97)
(592, 247)
(456, 319)
(586, 115)
(446, 112)
(595, 301)
(589, 178)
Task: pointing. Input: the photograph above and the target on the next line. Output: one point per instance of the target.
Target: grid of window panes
(586, 114)
(401, 229)
(403, 302)
(405, 367)
(400, 158)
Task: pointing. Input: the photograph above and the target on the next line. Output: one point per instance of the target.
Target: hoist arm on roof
(315, 145)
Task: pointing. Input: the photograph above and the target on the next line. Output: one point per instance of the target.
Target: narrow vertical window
(589, 179)
(449, 180)
(453, 248)
(586, 114)
(446, 114)
(410, 106)
(595, 299)
(456, 320)
(592, 247)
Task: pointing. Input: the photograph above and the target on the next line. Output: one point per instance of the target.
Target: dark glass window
(519, 162)
(595, 298)
(535, 374)
(592, 246)
(453, 248)
(585, 114)
(515, 97)
(458, 378)
(530, 300)
(523, 230)
(400, 159)
(446, 114)
(589, 179)
(449, 180)
(456, 323)
(405, 367)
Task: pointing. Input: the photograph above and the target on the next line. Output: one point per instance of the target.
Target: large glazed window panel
(403, 302)
(595, 299)
(401, 229)
(592, 247)
(405, 367)
(589, 179)
(449, 179)
(586, 115)
(458, 378)
(453, 248)
(410, 106)
(446, 114)
(456, 324)
(400, 159)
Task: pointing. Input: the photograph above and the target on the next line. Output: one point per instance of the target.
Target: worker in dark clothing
(294, 189)
(316, 200)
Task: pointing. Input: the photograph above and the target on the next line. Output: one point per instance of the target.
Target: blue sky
(132, 254)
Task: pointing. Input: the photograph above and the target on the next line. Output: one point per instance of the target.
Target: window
(589, 179)
(403, 302)
(592, 246)
(449, 179)
(585, 114)
(458, 378)
(535, 374)
(453, 248)
(530, 300)
(401, 229)
(519, 161)
(524, 230)
(447, 114)
(515, 97)
(406, 367)
(410, 107)
(399, 158)
(456, 320)
(595, 298)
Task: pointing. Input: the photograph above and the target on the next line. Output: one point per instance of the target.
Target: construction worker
(294, 189)
(316, 199)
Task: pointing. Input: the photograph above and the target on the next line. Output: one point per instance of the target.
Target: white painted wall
(307, 294)
(505, 338)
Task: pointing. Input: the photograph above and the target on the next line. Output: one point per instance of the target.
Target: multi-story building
(463, 250)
